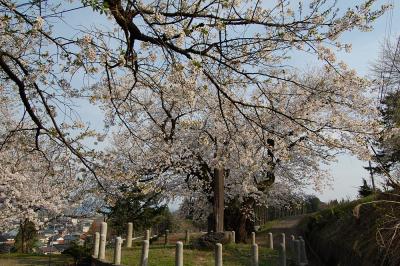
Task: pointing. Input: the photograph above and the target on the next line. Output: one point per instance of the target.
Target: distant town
(55, 237)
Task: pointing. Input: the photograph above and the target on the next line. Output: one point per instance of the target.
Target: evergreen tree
(364, 190)
(26, 237)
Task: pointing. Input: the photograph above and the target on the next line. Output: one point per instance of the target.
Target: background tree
(364, 190)
(27, 237)
(312, 203)
(143, 210)
(387, 151)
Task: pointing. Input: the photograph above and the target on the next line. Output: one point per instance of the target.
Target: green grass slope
(34, 260)
(348, 235)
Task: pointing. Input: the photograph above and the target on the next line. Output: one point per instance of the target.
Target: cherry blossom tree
(34, 183)
(176, 139)
(208, 84)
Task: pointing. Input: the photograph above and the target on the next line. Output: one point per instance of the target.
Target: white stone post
(291, 243)
(96, 245)
(187, 237)
(282, 255)
(297, 249)
(233, 237)
(117, 251)
(253, 238)
(166, 237)
(218, 254)
(283, 239)
(228, 236)
(129, 236)
(304, 259)
(254, 255)
(179, 254)
(103, 241)
(271, 241)
(144, 259)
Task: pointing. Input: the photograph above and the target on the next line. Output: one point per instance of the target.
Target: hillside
(361, 232)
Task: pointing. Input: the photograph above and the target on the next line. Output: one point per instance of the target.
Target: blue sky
(348, 171)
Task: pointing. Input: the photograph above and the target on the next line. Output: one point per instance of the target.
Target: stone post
(297, 249)
(219, 200)
(291, 244)
(179, 254)
(233, 237)
(96, 245)
(147, 235)
(283, 239)
(282, 255)
(144, 259)
(187, 237)
(254, 255)
(103, 240)
(129, 235)
(227, 236)
(304, 259)
(270, 241)
(166, 237)
(253, 238)
(218, 254)
(117, 251)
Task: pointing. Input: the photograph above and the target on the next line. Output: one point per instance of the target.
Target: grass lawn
(233, 255)
(31, 259)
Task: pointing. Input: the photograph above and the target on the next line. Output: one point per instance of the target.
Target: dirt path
(289, 226)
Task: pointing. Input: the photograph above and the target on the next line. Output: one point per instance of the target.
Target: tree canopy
(185, 86)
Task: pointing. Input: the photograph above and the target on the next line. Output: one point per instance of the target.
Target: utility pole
(372, 176)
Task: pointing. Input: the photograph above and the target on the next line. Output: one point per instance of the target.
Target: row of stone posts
(100, 241)
(270, 241)
(144, 258)
(297, 247)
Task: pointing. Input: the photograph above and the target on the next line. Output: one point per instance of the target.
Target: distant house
(85, 228)
(74, 237)
(85, 225)
(6, 243)
(10, 241)
(48, 232)
(43, 238)
(49, 250)
(56, 240)
(61, 247)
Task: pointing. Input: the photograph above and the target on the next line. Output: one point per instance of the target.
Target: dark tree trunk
(219, 200)
(238, 218)
(23, 236)
(242, 230)
(210, 223)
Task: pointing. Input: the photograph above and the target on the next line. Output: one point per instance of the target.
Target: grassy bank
(353, 233)
(233, 255)
(13, 259)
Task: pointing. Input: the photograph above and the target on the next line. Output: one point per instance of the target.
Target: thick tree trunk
(244, 222)
(23, 237)
(242, 231)
(218, 200)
